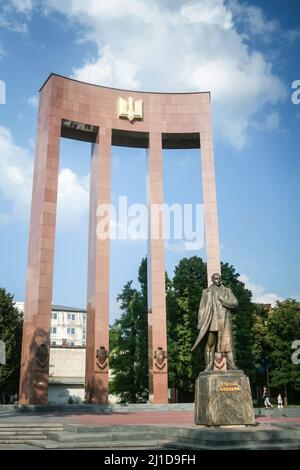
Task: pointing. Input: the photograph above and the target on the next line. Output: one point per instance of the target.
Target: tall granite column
(38, 297)
(210, 200)
(157, 325)
(98, 272)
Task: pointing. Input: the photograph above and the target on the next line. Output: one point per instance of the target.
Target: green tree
(183, 295)
(11, 333)
(242, 319)
(259, 332)
(129, 334)
(190, 278)
(129, 343)
(283, 327)
(259, 347)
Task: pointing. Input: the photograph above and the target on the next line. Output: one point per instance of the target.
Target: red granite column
(210, 200)
(37, 317)
(98, 273)
(157, 325)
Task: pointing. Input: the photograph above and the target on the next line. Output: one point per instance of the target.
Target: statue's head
(216, 279)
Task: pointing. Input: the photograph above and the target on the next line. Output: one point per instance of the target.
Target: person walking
(279, 401)
(266, 398)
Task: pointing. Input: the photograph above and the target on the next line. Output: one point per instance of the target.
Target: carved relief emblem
(130, 109)
(42, 355)
(102, 355)
(160, 356)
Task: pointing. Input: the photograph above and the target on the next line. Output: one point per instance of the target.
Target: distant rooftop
(63, 308)
(57, 308)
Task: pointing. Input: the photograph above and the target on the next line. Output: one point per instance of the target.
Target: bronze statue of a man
(214, 320)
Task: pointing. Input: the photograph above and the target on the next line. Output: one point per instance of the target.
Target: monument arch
(105, 117)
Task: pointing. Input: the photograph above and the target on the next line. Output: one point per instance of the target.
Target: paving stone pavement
(125, 423)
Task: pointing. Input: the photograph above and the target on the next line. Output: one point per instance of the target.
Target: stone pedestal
(223, 398)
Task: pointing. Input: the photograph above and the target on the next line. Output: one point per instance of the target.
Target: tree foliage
(283, 327)
(11, 333)
(242, 319)
(129, 343)
(190, 278)
(262, 337)
(129, 334)
(182, 312)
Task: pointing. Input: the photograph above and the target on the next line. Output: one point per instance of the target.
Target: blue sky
(246, 53)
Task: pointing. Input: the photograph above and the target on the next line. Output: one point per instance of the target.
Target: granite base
(223, 399)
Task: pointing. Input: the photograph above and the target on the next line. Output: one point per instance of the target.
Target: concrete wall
(67, 362)
(60, 393)
(66, 375)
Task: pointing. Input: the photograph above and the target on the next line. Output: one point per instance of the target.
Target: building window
(69, 316)
(53, 330)
(53, 343)
(73, 316)
(72, 343)
(72, 331)
(54, 316)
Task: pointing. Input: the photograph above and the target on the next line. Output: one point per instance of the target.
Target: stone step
(20, 433)
(84, 428)
(151, 444)
(31, 425)
(102, 408)
(21, 438)
(65, 436)
(32, 428)
(11, 431)
(12, 442)
(291, 445)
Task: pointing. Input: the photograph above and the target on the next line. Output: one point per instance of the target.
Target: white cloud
(272, 122)
(15, 14)
(16, 167)
(73, 199)
(16, 170)
(259, 293)
(176, 46)
(253, 18)
(2, 51)
(190, 46)
(102, 70)
(207, 12)
(33, 101)
(23, 6)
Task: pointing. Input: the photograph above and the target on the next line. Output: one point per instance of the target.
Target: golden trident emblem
(130, 109)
